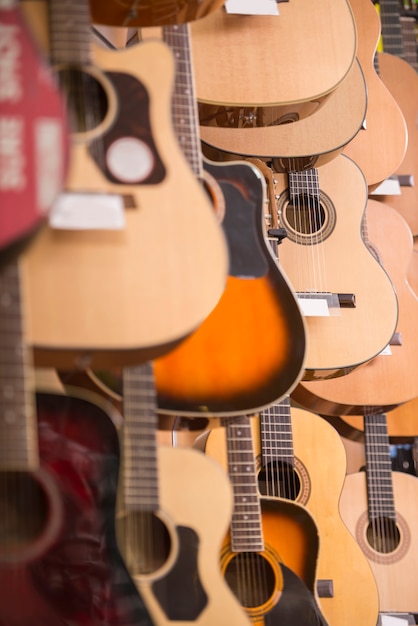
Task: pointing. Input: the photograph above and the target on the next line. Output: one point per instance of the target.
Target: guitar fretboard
(18, 430)
(378, 468)
(184, 104)
(276, 433)
(70, 32)
(304, 182)
(140, 472)
(391, 27)
(246, 524)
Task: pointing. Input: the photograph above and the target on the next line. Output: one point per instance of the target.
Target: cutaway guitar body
(231, 364)
(95, 292)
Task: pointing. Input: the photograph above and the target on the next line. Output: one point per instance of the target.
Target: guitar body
(392, 570)
(318, 476)
(282, 577)
(67, 569)
(251, 48)
(34, 153)
(129, 13)
(389, 379)
(402, 81)
(100, 300)
(378, 149)
(195, 508)
(332, 256)
(230, 364)
(312, 139)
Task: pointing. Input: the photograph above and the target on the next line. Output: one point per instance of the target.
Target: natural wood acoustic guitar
(380, 508)
(401, 78)
(341, 286)
(281, 59)
(175, 505)
(59, 460)
(380, 146)
(95, 293)
(389, 379)
(289, 138)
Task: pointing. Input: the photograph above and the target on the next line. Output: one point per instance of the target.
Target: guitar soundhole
(145, 541)
(308, 219)
(86, 98)
(279, 479)
(383, 535)
(251, 578)
(23, 513)
(305, 214)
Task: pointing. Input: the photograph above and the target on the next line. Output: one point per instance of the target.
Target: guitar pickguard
(180, 593)
(132, 122)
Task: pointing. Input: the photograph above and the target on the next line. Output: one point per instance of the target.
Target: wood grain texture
(379, 148)
(393, 572)
(339, 261)
(250, 59)
(387, 380)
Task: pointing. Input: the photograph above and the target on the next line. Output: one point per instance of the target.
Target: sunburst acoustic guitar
(174, 509)
(269, 555)
(59, 460)
(380, 146)
(301, 458)
(111, 275)
(34, 134)
(327, 260)
(390, 378)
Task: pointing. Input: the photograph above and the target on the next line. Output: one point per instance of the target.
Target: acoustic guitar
(175, 507)
(380, 509)
(389, 379)
(131, 13)
(380, 146)
(59, 460)
(301, 458)
(402, 81)
(33, 134)
(270, 552)
(257, 62)
(95, 291)
(310, 140)
(230, 365)
(340, 285)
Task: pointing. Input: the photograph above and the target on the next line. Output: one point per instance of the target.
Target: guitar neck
(246, 522)
(18, 429)
(140, 471)
(391, 27)
(184, 103)
(70, 32)
(276, 434)
(378, 468)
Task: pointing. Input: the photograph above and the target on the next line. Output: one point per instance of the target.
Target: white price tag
(88, 211)
(314, 307)
(252, 7)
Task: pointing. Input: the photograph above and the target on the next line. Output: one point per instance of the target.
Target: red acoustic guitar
(59, 460)
(33, 133)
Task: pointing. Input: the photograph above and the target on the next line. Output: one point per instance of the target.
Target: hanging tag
(88, 211)
(252, 7)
